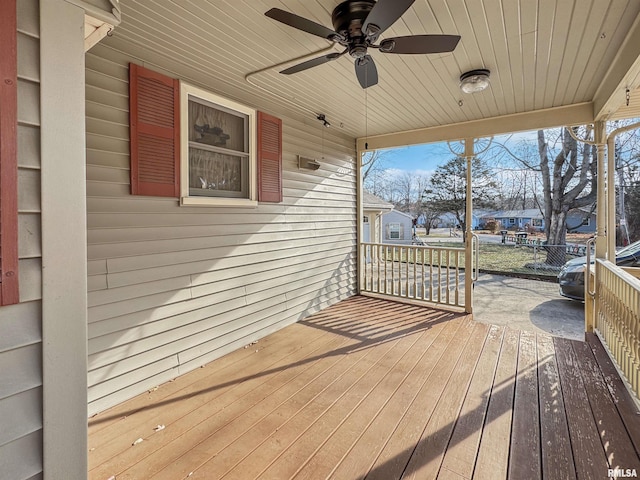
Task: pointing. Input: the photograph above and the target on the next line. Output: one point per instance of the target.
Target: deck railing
(617, 317)
(430, 274)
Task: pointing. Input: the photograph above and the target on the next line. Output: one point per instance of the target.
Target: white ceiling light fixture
(474, 81)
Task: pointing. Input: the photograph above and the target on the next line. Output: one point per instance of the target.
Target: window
(394, 231)
(536, 222)
(512, 221)
(218, 150)
(365, 219)
(190, 144)
(587, 222)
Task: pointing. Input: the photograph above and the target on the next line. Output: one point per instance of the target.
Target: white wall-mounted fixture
(474, 80)
(308, 163)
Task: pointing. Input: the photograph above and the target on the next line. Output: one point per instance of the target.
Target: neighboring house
(449, 220)
(373, 208)
(577, 216)
(397, 228)
(516, 219)
(533, 217)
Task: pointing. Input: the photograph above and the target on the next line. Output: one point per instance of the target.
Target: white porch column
(64, 244)
(468, 238)
(601, 207)
(601, 220)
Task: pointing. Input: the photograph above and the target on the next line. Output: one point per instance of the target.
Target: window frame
(391, 230)
(186, 91)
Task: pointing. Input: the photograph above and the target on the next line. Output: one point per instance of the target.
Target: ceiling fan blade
(420, 44)
(301, 23)
(366, 71)
(384, 14)
(314, 62)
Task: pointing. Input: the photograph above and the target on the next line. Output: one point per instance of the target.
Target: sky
(424, 159)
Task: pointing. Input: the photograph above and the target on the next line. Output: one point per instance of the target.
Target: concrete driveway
(530, 305)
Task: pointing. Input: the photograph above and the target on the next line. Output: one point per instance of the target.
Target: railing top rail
(619, 272)
(417, 247)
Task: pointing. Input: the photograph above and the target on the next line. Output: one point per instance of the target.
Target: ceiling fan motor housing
(348, 18)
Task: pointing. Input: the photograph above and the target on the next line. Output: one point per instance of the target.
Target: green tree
(447, 189)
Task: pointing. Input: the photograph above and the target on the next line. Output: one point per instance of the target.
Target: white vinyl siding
(173, 287)
(397, 227)
(21, 324)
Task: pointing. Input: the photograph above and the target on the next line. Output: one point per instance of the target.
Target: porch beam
(578, 114)
(623, 74)
(107, 11)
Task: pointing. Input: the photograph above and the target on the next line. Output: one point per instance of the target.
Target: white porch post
(468, 247)
(611, 199)
(601, 219)
(64, 244)
(601, 207)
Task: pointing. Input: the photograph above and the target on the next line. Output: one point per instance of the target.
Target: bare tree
(372, 163)
(405, 187)
(568, 180)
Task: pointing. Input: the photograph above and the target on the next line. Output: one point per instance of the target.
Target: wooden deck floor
(377, 389)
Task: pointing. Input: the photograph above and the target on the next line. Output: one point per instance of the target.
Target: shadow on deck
(377, 389)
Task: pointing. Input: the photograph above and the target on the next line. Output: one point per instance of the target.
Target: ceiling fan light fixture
(475, 80)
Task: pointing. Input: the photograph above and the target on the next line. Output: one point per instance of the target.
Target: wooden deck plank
(111, 419)
(191, 448)
(613, 434)
(557, 457)
(271, 413)
(460, 457)
(590, 460)
(524, 456)
(287, 448)
(392, 460)
(427, 457)
(207, 401)
(359, 460)
(140, 422)
(624, 402)
(493, 455)
(300, 408)
(325, 455)
(377, 389)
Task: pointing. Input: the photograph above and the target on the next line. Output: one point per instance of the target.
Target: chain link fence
(521, 257)
(534, 259)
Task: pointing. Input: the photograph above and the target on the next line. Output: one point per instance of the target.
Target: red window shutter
(269, 158)
(8, 155)
(154, 117)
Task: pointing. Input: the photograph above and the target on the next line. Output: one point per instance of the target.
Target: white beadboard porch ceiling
(541, 53)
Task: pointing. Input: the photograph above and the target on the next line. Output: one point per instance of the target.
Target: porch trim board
(577, 114)
(64, 247)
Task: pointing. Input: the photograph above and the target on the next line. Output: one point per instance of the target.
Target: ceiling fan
(357, 25)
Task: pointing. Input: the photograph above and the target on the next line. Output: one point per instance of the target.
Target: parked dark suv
(571, 277)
